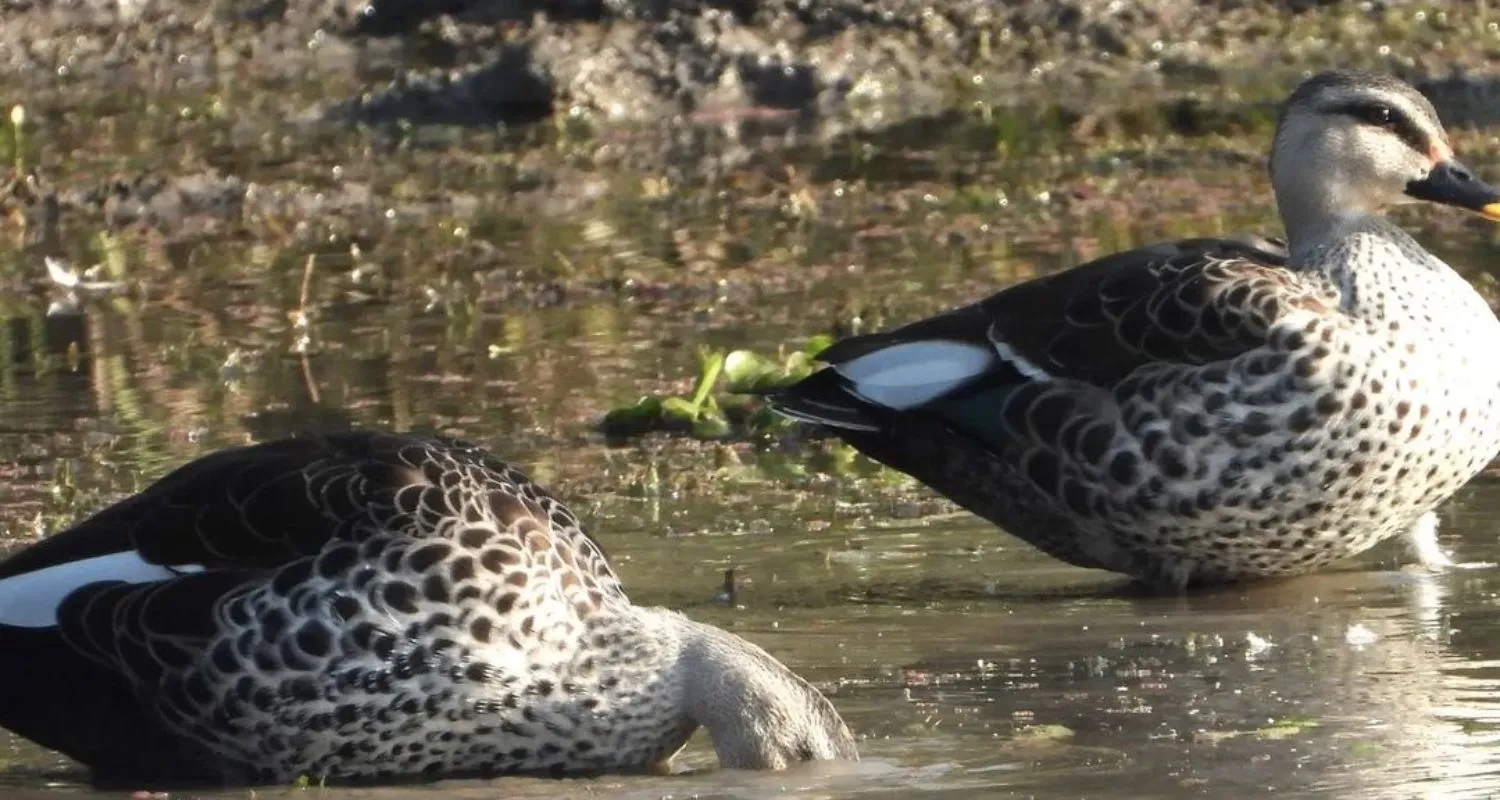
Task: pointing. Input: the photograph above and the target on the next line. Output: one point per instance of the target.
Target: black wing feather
(265, 505)
(1101, 320)
(246, 512)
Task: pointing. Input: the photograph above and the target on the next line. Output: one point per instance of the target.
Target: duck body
(366, 606)
(1212, 410)
(1195, 411)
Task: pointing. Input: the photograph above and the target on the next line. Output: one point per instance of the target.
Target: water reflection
(973, 666)
(1367, 680)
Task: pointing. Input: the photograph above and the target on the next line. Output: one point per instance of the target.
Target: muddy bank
(761, 64)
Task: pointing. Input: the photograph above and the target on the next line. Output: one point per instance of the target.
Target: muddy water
(970, 665)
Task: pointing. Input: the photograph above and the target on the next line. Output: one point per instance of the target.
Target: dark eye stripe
(1399, 124)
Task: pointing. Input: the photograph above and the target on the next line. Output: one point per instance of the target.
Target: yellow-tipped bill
(1453, 184)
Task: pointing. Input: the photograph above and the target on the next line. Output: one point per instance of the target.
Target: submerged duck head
(758, 713)
(1350, 143)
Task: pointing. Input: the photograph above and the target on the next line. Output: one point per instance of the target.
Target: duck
(1212, 410)
(369, 606)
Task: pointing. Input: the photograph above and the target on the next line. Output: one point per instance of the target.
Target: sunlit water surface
(968, 664)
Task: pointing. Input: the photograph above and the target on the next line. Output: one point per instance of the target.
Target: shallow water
(969, 665)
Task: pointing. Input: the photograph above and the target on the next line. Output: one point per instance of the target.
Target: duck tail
(51, 695)
(823, 398)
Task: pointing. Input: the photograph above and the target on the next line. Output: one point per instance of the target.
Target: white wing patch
(31, 599)
(1009, 355)
(907, 375)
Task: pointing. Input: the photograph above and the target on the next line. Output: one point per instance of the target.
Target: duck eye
(1380, 116)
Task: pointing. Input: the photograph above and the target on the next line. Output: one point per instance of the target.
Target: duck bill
(1453, 184)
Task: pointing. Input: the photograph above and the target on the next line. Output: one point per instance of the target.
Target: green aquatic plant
(698, 414)
(722, 403)
(110, 250)
(18, 138)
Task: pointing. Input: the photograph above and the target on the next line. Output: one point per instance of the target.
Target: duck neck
(1310, 225)
(758, 713)
(1317, 208)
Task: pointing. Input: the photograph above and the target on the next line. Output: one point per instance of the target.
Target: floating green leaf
(725, 399)
(744, 370)
(817, 343)
(711, 426)
(639, 417)
(710, 364)
(677, 409)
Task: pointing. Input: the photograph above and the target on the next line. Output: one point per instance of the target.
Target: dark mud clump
(837, 64)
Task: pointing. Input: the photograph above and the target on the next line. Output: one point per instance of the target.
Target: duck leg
(1421, 541)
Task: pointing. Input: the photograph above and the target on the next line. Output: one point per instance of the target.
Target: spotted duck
(1212, 410)
(369, 606)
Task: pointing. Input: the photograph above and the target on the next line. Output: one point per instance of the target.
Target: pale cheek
(1392, 176)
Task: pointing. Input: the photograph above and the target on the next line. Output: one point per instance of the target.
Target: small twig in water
(301, 324)
(726, 593)
(307, 378)
(307, 271)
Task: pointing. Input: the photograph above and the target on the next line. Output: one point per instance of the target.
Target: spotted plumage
(368, 606)
(1211, 409)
